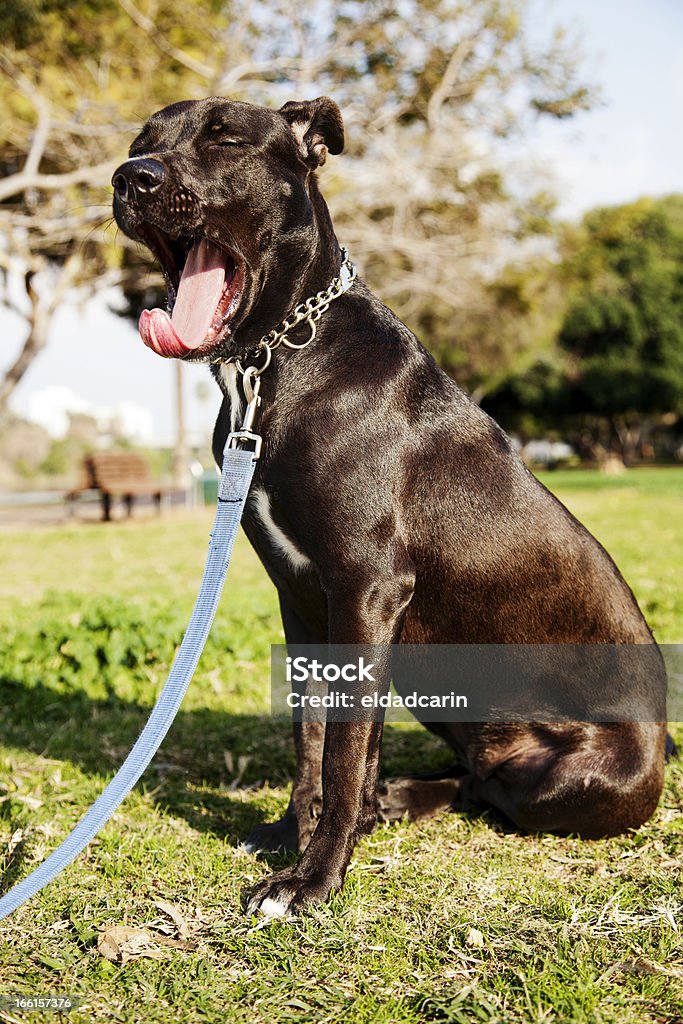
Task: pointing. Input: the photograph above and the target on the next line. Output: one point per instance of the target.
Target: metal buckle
(257, 370)
(252, 385)
(236, 436)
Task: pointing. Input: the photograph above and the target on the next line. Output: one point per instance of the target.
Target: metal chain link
(308, 312)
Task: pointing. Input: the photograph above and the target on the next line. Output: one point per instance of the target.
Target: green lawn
(454, 919)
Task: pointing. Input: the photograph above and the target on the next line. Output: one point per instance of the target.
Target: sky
(631, 145)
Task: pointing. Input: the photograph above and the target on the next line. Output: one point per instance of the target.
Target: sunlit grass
(454, 919)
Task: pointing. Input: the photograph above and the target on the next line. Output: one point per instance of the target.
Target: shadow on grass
(205, 763)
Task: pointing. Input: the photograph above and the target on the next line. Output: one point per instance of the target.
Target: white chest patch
(260, 503)
(229, 375)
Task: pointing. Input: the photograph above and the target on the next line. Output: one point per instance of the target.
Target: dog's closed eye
(222, 135)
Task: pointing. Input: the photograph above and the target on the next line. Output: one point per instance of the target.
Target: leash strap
(238, 470)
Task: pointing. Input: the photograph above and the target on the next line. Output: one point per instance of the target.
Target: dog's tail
(671, 750)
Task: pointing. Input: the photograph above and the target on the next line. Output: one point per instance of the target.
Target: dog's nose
(140, 175)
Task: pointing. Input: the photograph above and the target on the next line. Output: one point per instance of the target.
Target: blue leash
(238, 470)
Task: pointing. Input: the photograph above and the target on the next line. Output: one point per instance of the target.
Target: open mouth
(205, 284)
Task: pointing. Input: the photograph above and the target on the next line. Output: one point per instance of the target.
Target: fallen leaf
(175, 915)
(120, 943)
(242, 765)
(640, 965)
(15, 839)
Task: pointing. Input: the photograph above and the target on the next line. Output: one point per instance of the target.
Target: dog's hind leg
(590, 780)
(595, 780)
(419, 796)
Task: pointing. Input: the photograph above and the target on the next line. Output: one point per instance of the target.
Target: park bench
(123, 475)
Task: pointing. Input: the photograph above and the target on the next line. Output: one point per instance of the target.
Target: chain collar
(308, 312)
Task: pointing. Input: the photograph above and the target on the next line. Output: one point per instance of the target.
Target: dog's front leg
(294, 830)
(371, 614)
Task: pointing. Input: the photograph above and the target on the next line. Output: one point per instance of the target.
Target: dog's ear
(318, 128)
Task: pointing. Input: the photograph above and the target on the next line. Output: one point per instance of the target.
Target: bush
(113, 644)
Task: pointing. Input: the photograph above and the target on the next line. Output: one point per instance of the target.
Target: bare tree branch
(450, 77)
(15, 184)
(149, 27)
(96, 131)
(40, 136)
(289, 66)
(39, 318)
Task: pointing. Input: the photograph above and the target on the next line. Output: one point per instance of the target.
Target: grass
(453, 919)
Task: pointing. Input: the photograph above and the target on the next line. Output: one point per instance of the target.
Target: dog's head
(220, 191)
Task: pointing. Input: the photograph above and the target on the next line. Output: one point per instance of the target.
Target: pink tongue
(199, 292)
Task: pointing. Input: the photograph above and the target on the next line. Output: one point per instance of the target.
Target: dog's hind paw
(280, 836)
(417, 797)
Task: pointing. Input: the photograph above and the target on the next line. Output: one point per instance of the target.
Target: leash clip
(252, 385)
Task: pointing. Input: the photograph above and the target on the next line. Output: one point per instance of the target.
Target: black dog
(386, 506)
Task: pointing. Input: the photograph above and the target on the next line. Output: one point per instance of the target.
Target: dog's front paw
(288, 892)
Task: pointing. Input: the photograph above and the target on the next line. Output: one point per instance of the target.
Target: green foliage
(35, 23)
(121, 647)
(105, 639)
(63, 458)
(502, 342)
(623, 330)
(611, 374)
(19, 20)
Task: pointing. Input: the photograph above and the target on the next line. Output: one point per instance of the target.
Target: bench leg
(128, 501)
(106, 507)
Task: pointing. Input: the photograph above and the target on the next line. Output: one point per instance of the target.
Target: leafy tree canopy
(623, 330)
(612, 367)
(429, 88)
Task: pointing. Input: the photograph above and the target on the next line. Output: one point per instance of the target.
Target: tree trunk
(36, 340)
(38, 319)
(628, 438)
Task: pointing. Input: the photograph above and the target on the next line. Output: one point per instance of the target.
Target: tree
(67, 122)
(623, 330)
(429, 88)
(617, 366)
